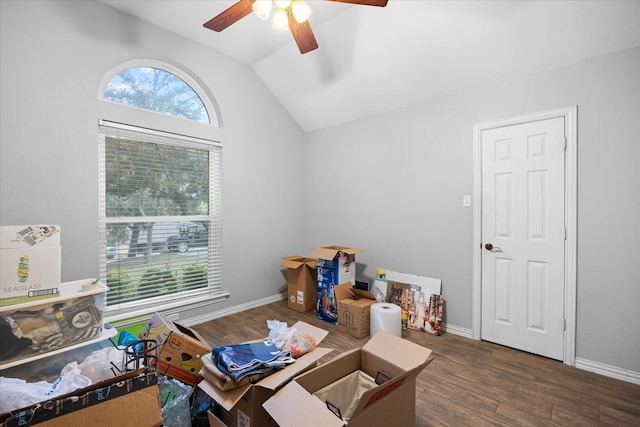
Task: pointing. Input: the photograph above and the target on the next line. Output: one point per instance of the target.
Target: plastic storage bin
(39, 327)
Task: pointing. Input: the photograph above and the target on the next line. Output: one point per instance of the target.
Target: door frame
(570, 115)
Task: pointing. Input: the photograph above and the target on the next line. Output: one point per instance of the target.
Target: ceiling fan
(289, 13)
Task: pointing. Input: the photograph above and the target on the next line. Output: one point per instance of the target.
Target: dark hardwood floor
(470, 382)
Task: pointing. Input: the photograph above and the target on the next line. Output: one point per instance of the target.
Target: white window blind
(160, 219)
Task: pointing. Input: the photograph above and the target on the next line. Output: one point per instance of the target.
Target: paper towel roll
(386, 317)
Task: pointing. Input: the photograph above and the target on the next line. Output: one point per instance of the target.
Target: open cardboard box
(301, 282)
(180, 348)
(391, 403)
(244, 404)
(354, 310)
(130, 399)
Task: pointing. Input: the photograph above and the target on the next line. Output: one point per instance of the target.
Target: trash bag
(174, 398)
(201, 403)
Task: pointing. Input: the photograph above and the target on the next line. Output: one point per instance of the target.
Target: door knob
(490, 247)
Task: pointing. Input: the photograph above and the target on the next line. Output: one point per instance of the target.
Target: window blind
(160, 216)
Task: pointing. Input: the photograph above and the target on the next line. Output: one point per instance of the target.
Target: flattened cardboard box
(336, 264)
(301, 282)
(180, 348)
(391, 403)
(354, 310)
(244, 404)
(127, 400)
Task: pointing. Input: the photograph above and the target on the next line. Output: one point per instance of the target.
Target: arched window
(160, 191)
(156, 90)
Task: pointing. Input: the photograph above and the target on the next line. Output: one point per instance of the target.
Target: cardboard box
(127, 400)
(38, 327)
(243, 406)
(301, 282)
(391, 403)
(180, 348)
(30, 259)
(354, 307)
(336, 264)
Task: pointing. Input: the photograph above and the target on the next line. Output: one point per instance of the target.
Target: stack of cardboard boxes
(312, 281)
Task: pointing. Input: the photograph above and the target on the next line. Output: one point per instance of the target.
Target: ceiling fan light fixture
(282, 4)
(300, 11)
(281, 20)
(290, 14)
(262, 8)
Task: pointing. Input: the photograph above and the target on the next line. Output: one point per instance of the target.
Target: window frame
(205, 96)
(142, 120)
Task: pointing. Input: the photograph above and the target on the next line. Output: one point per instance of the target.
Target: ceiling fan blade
(380, 3)
(303, 35)
(229, 16)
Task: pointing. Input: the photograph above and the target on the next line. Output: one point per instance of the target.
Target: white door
(523, 236)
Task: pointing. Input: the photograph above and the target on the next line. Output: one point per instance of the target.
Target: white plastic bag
(290, 339)
(17, 393)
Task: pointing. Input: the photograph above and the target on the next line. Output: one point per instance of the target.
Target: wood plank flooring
(470, 382)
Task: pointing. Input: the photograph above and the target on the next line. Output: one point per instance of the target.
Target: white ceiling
(373, 60)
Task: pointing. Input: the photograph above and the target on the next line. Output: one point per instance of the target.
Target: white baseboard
(608, 371)
(232, 310)
(457, 330)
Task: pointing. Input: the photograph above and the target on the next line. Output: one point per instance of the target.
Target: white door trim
(570, 115)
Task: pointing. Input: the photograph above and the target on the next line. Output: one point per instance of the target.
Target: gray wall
(54, 56)
(394, 183)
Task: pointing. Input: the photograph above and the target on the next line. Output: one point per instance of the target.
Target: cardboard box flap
(329, 252)
(403, 353)
(286, 409)
(347, 291)
(277, 379)
(362, 294)
(296, 262)
(318, 334)
(344, 291)
(374, 395)
(227, 398)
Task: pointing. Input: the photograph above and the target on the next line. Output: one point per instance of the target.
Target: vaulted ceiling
(373, 60)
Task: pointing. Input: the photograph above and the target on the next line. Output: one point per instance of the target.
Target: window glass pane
(152, 179)
(156, 90)
(154, 259)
